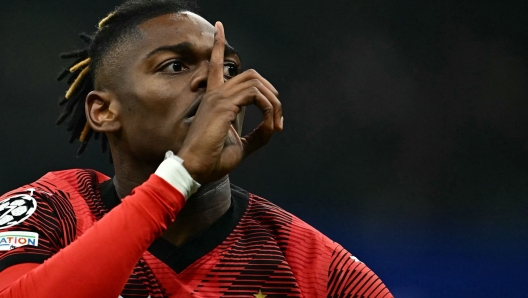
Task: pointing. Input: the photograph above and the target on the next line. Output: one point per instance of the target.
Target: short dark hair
(120, 23)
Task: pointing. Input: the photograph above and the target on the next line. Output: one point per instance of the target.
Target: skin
(148, 113)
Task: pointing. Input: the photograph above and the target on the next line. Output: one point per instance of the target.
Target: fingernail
(282, 121)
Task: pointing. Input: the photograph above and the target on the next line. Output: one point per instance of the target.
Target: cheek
(153, 116)
(153, 119)
(158, 101)
(151, 136)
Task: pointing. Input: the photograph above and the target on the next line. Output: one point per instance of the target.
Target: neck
(201, 210)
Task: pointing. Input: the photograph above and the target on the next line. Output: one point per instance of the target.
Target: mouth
(193, 108)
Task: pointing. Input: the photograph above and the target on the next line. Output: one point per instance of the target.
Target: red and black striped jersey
(256, 249)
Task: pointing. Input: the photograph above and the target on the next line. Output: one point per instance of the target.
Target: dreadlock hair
(111, 31)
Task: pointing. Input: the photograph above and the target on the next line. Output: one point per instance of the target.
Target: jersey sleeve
(349, 277)
(34, 225)
(104, 263)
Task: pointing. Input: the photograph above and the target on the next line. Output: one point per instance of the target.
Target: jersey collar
(179, 258)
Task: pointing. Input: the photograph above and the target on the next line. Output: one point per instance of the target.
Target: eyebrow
(187, 47)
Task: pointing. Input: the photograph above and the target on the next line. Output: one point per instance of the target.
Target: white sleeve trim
(172, 171)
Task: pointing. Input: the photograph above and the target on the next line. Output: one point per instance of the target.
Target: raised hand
(212, 148)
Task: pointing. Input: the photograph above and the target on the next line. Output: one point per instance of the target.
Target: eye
(230, 69)
(175, 66)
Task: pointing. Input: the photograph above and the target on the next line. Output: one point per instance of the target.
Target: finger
(262, 134)
(277, 107)
(256, 139)
(276, 104)
(251, 74)
(216, 65)
(253, 95)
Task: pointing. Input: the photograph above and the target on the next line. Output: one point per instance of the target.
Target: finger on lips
(224, 99)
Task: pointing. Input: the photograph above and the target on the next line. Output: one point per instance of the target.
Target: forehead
(132, 51)
(176, 28)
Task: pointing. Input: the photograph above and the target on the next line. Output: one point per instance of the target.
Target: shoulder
(57, 181)
(300, 242)
(53, 189)
(299, 237)
(321, 266)
(72, 179)
(38, 219)
(63, 179)
(290, 231)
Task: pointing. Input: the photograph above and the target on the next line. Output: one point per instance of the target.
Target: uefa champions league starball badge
(16, 209)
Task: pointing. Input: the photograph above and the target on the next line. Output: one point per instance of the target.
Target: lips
(193, 108)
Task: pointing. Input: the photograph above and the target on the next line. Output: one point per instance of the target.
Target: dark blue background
(406, 122)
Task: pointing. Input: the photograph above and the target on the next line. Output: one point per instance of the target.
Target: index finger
(216, 64)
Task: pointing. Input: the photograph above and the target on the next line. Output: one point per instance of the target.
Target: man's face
(164, 77)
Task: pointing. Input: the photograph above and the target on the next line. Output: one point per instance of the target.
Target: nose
(199, 78)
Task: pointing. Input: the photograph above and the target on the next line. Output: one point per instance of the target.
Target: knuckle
(253, 91)
(268, 110)
(252, 72)
(278, 106)
(211, 96)
(231, 115)
(219, 41)
(255, 82)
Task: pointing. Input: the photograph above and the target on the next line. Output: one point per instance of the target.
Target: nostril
(202, 84)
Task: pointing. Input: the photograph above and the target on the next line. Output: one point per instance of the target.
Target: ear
(102, 111)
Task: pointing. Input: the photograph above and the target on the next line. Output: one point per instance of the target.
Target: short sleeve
(349, 277)
(34, 225)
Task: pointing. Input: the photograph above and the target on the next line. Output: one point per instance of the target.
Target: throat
(201, 210)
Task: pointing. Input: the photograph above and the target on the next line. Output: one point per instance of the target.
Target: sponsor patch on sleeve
(13, 239)
(16, 209)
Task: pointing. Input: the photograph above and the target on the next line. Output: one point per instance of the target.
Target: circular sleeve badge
(16, 209)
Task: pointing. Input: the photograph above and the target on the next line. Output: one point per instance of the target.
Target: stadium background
(406, 122)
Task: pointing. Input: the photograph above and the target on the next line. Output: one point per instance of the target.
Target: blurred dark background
(406, 128)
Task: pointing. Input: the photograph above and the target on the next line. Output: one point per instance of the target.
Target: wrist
(191, 164)
(173, 171)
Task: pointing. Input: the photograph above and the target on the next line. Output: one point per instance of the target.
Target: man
(156, 80)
